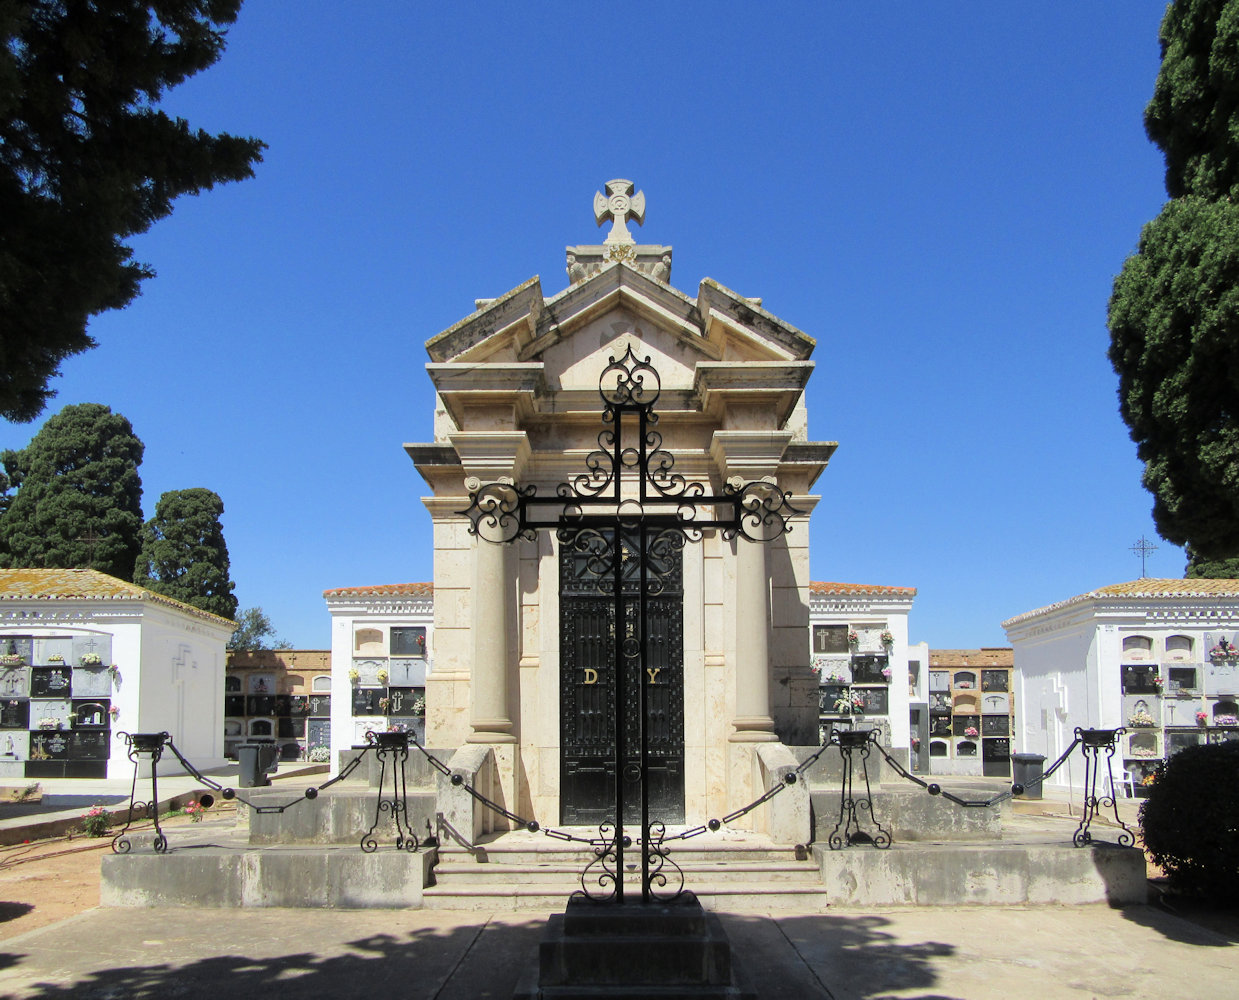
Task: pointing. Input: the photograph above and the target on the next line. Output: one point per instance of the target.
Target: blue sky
(940, 194)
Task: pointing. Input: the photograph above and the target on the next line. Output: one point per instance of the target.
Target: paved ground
(974, 953)
(928, 954)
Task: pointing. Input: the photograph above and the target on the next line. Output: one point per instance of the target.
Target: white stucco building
(860, 652)
(1153, 656)
(85, 656)
(382, 651)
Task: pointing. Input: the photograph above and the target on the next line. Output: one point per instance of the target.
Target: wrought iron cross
(1143, 549)
(630, 503)
(620, 204)
(91, 539)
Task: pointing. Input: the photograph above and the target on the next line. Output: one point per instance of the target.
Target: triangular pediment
(523, 326)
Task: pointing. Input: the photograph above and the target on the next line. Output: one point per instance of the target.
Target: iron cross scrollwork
(625, 514)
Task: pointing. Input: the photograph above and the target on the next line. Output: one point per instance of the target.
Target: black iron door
(587, 688)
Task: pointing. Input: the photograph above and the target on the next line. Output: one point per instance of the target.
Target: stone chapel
(521, 642)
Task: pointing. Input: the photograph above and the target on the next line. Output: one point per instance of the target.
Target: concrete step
(744, 873)
(736, 897)
(472, 873)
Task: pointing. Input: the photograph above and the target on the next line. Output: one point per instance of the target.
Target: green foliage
(97, 821)
(1194, 114)
(184, 554)
(1190, 821)
(1174, 310)
(1211, 569)
(87, 161)
(1174, 329)
(79, 497)
(254, 628)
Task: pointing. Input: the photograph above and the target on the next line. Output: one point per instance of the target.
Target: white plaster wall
(181, 687)
(1054, 690)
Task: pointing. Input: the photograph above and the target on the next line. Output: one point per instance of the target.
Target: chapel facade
(521, 637)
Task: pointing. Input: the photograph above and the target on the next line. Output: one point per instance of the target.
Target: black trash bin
(1026, 771)
(256, 758)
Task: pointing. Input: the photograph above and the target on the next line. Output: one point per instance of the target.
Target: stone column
(753, 721)
(492, 615)
(751, 455)
(491, 456)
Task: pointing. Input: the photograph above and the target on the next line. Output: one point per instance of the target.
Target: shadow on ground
(238, 956)
(11, 911)
(1189, 921)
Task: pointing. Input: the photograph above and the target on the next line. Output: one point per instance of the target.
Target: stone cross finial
(621, 205)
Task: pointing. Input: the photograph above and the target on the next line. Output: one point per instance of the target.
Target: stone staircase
(739, 873)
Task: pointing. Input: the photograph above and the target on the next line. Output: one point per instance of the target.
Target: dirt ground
(49, 880)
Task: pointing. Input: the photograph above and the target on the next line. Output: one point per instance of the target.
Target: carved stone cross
(621, 205)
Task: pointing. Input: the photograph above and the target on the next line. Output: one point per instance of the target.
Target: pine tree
(184, 555)
(78, 499)
(87, 160)
(1174, 310)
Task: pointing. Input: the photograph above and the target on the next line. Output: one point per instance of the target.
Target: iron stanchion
(141, 745)
(1093, 742)
(391, 748)
(850, 807)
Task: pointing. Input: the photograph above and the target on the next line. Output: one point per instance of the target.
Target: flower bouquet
(1141, 720)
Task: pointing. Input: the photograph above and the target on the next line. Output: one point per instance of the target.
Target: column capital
(749, 454)
(491, 455)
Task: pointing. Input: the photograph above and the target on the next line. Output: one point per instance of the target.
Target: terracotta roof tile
(1144, 588)
(820, 587)
(85, 585)
(384, 590)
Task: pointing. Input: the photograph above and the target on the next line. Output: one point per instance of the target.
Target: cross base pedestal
(638, 950)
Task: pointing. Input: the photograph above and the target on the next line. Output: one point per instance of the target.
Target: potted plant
(383, 675)
(1202, 718)
(886, 639)
(354, 675)
(971, 731)
(114, 713)
(91, 660)
(853, 638)
(886, 673)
